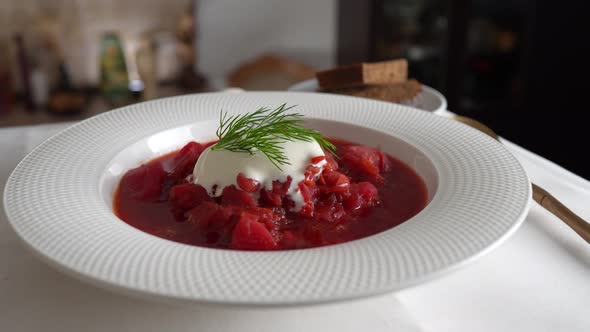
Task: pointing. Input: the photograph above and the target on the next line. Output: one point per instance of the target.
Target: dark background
(518, 66)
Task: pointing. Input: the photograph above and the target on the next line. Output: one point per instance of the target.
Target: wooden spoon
(541, 196)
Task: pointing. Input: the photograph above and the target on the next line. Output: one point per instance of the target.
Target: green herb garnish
(264, 130)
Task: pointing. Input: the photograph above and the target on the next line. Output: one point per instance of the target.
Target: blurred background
(513, 64)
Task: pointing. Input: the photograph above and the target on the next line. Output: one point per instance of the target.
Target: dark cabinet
(517, 65)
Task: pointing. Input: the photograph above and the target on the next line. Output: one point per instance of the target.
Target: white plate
(428, 100)
(59, 201)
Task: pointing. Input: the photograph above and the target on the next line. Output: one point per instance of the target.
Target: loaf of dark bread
(395, 93)
(385, 72)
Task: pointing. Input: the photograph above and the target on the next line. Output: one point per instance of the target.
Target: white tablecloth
(539, 280)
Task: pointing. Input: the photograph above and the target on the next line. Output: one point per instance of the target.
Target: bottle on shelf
(114, 77)
(145, 59)
(25, 71)
(6, 82)
(53, 87)
(39, 85)
(189, 78)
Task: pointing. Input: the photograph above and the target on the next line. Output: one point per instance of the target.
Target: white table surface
(539, 280)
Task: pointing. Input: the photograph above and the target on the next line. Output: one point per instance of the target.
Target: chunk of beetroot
(332, 164)
(335, 182)
(221, 217)
(307, 210)
(362, 194)
(144, 182)
(186, 196)
(202, 215)
(330, 213)
(233, 196)
(309, 192)
(184, 162)
(311, 173)
(367, 190)
(317, 159)
(249, 234)
(246, 184)
(270, 198)
(354, 202)
(265, 216)
(281, 188)
(327, 200)
(365, 159)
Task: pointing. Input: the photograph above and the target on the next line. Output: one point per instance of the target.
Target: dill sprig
(264, 130)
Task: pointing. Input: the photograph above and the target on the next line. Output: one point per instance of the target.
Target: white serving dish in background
(428, 100)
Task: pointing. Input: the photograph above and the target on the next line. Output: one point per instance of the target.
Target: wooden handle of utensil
(562, 212)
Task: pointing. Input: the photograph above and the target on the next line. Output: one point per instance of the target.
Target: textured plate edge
(106, 284)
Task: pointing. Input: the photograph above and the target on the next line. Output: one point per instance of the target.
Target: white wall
(82, 23)
(232, 31)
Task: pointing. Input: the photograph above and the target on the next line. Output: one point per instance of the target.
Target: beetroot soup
(360, 193)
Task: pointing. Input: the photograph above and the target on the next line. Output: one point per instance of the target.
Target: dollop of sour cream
(217, 169)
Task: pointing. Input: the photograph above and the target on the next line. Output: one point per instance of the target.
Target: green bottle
(114, 80)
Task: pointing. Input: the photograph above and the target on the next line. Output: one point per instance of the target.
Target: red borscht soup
(360, 193)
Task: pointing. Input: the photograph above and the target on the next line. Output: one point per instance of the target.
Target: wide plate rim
(157, 291)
